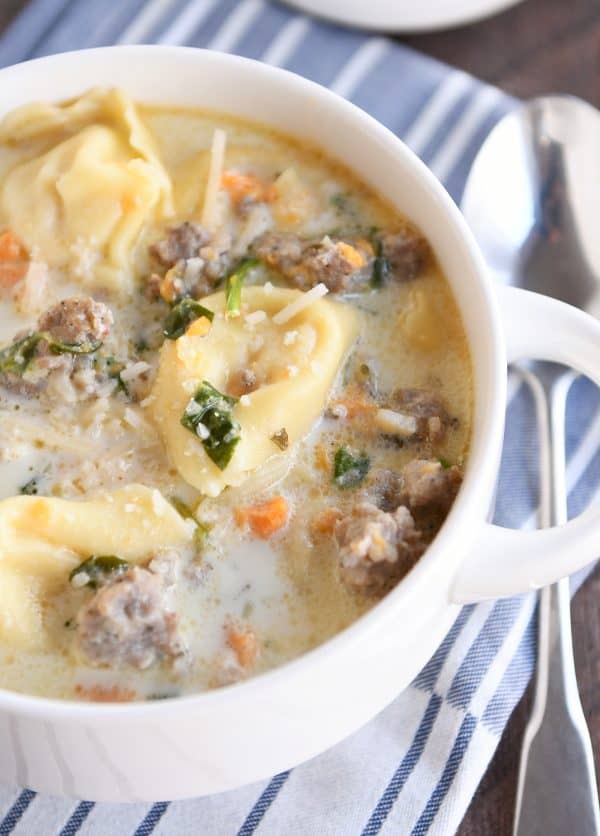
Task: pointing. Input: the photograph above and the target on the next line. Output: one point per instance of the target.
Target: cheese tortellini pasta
(95, 180)
(294, 365)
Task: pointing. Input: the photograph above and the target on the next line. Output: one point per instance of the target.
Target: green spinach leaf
(349, 467)
(182, 315)
(99, 569)
(209, 415)
(381, 267)
(233, 288)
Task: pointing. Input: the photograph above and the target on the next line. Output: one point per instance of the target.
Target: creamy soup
(235, 399)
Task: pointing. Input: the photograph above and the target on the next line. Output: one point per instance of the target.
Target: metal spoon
(533, 201)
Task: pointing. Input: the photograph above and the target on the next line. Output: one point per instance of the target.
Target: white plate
(403, 15)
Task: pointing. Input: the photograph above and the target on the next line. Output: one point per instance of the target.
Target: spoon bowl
(533, 200)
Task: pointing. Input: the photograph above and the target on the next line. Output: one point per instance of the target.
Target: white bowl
(219, 740)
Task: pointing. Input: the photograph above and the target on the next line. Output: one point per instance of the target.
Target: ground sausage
(325, 263)
(384, 488)
(406, 252)
(335, 263)
(73, 321)
(429, 408)
(78, 319)
(282, 252)
(181, 242)
(193, 267)
(126, 622)
(376, 548)
(430, 487)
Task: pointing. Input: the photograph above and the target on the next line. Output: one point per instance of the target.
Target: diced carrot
(355, 404)
(351, 254)
(242, 640)
(321, 458)
(105, 693)
(11, 249)
(171, 285)
(265, 518)
(199, 327)
(13, 259)
(240, 186)
(12, 272)
(324, 522)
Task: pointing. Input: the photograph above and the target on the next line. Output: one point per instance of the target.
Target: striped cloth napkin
(415, 767)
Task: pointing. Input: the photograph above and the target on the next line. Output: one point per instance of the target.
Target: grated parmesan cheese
(290, 337)
(134, 370)
(396, 423)
(213, 182)
(300, 304)
(255, 317)
(132, 418)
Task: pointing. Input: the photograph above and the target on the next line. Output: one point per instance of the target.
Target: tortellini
(293, 366)
(95, 180)
(43, 538)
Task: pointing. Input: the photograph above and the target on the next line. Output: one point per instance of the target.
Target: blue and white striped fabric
(415, 767)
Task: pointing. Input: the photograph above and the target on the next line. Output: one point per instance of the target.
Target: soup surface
(235, 399)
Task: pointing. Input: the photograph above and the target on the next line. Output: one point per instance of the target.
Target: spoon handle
(557, 791)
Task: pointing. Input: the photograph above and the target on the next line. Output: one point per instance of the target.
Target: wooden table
(539, 46)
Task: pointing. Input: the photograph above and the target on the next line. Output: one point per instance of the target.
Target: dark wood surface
(537, 47)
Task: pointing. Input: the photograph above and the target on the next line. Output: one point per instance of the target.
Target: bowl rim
(470, 495)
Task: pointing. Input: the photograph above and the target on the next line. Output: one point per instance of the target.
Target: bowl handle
(504, 561)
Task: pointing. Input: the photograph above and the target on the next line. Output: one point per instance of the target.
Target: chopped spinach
(349, 467)
(281, 439)
(182, 315)
(182, 508)
(233, 287)
(29, 488)
(381, 266)
(444, 462)
(112, 368)
(99, 569)
(16, 357)
(201, 531)
(340, 201)
(57, 347)
(209, 415)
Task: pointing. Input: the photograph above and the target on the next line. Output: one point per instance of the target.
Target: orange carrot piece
(105, 693)
(265, 518)
(11, 249)
(322, 458)
(240, 186)
(351, 254)
(355, 405)
(12, 272)
(324, 522)
(13, 259)
(242, 640)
